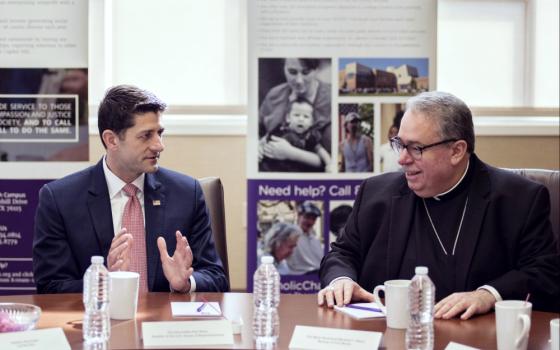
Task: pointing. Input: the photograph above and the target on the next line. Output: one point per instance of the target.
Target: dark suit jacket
(74, 222)
(506, 241)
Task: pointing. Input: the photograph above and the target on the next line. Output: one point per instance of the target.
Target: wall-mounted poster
(327, 82)
(43, 118)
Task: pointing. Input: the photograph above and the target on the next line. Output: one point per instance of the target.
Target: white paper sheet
(361, 310)
(195, 309)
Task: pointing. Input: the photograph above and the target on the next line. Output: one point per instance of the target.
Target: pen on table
(365, 308)
(199, 309)
(206, 302)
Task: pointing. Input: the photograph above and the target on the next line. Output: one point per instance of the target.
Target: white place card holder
(457, 346)
(178, 334)
(39, 339)
(321, 338)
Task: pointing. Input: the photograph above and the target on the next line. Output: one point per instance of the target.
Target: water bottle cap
(267, 259)
(421, 270)
(97, 259)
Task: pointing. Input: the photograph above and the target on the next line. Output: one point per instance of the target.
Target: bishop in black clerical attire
(483, 232)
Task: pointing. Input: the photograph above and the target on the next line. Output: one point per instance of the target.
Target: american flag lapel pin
(156, 202)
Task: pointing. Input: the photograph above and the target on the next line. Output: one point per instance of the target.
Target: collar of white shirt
(115, 184)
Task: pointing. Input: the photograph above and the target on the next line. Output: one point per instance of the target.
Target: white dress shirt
(119, 199)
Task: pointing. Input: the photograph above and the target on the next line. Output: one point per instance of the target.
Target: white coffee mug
(555, 333)
(396, 302)
(123, 296)
(513, 322)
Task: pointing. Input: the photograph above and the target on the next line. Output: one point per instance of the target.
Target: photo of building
(382, 76)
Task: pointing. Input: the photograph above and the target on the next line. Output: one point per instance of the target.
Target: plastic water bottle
(266, 298)
(421, 294)
(97, 325)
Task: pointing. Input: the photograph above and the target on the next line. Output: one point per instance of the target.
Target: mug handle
(526, 321)
(378, 300)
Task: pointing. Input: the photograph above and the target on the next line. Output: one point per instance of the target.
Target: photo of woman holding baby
(294, 115)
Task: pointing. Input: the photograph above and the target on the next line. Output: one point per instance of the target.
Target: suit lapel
(99, 206)
(154, 206)
(402, 210)
(474, 216)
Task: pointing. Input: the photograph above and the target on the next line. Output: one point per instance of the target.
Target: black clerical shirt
(423, 247)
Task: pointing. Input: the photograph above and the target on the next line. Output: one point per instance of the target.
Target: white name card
(40, 339)
(457, 346)
(177, 334)
(320, 338)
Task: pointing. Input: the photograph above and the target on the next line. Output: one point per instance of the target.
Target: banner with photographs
(43, 118)
(328, 82)
(295, 221)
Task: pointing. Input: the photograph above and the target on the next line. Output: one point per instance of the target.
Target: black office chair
(550, 179)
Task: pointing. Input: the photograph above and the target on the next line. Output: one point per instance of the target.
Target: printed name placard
(457, 346)
(321, 338)
(52, 338)
(186, 333)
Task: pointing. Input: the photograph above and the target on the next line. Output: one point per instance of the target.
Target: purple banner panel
(18, 202)
(295, 221)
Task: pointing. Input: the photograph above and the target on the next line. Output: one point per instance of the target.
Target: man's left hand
(476, 302)
(177, 268)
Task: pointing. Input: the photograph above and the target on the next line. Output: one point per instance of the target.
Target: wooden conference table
(66, 311)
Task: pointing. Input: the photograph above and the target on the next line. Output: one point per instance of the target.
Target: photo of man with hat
(356, 150)
(308, 253)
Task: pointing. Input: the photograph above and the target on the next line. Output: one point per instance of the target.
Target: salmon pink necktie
(133, 220)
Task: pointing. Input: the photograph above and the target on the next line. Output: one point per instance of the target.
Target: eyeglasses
(415, 151)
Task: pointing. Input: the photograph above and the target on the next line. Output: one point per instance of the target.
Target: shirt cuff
(339, 278)
(492, 291)
(193, 286)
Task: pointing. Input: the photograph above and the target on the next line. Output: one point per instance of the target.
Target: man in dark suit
(484, 233)
(86, 213)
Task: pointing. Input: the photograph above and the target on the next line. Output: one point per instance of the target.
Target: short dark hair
(449, 112)
(311, 63)
(307, 207)
(300, 100)
(120, 104)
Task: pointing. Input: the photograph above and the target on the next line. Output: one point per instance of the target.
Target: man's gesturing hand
(177, 268)
(119, 252)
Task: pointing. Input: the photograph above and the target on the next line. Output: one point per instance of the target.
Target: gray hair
(450, 113)
(278, 233)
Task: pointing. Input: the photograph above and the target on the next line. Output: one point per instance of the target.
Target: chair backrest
(550, 179)
(214, 197)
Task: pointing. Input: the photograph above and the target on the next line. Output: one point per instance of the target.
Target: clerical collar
(438, 196)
